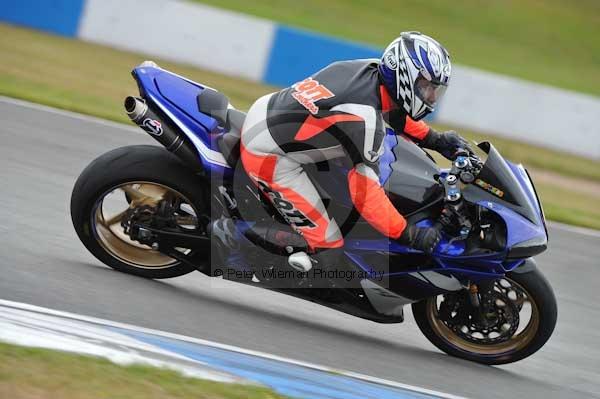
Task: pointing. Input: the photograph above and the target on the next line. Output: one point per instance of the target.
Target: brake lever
(476, 160)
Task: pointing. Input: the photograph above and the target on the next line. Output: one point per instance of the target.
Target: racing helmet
(415, 69)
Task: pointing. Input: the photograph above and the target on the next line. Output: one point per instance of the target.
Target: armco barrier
(235, 44)
(297, 53)
(57, 16)
(262, 50)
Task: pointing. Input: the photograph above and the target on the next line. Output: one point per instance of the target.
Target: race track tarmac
(43, 263)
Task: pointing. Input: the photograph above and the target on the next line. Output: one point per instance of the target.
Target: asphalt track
(43, 263)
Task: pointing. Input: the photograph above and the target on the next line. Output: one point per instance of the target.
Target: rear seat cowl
(214, 104)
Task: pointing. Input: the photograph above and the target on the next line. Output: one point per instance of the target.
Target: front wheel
(519, 317)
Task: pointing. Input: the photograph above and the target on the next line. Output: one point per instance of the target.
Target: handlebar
(470, 155)
(466, 165)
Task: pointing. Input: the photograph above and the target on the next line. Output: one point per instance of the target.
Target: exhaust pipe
(145, 117)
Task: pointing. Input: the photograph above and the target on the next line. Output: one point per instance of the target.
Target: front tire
(143, 172)
(523, 342)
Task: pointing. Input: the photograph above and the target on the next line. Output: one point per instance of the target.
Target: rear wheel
(138, 182)
(520, 316)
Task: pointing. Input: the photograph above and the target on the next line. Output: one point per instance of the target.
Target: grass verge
(547, 41)
(88, 78)
(569, 207)
(27, 373)
(94, 79)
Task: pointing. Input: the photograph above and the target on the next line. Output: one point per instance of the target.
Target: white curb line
(94, 320)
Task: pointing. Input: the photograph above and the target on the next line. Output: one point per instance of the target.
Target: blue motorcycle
(164, 211)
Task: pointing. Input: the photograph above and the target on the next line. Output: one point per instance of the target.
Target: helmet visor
(429, 92)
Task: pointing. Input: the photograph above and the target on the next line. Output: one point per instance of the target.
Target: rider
(342, 111)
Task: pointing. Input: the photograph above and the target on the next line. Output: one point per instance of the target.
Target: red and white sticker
(152, 126)
(308, 92)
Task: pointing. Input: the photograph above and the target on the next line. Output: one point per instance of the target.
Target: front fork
(477, 292)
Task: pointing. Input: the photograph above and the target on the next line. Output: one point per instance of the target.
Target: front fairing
(499, 181)
(508, 204)
(506, 189)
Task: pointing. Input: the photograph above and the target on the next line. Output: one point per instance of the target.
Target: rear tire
(539, 291)
(131, 164)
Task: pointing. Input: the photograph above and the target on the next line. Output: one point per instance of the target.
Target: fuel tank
(411, 175)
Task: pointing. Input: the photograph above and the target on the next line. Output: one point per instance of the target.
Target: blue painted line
(296, 54)
(56, 16)
(285, 378)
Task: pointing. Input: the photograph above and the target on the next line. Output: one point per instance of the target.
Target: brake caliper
(135, 219)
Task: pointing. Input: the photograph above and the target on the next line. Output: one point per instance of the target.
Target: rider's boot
(332, 275)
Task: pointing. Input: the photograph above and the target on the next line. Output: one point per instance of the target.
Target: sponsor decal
(308, 92)
(447, 69)
(488, 187)
(434, 59)
(373, 156)
(291, 215)
(152, 126)
(389, 59)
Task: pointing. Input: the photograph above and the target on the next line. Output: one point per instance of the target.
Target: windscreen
(496, 182)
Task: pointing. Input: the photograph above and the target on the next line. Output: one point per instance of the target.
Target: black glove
(423, 239)
(446, 143)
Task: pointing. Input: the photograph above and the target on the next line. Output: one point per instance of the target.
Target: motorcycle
(162, 212)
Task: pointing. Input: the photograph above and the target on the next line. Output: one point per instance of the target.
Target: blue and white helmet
(416, 71)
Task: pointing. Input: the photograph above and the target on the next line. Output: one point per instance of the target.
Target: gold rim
(113, 206)
(522, 337)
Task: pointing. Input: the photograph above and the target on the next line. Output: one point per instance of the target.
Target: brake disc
(495, 322)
